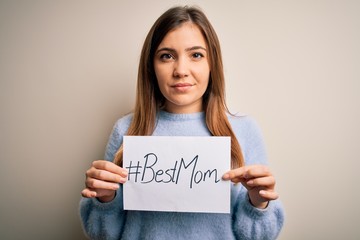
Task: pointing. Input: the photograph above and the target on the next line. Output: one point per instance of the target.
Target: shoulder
(121, 125)
(250, 137)
(244, 124)
(119, 130)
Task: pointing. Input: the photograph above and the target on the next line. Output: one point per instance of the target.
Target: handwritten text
(147, 172)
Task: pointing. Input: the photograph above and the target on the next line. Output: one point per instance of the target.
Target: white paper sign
(179, 174)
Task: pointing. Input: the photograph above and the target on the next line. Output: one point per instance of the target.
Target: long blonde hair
(149, 99)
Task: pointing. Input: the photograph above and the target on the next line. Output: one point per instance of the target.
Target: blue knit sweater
(110, 221)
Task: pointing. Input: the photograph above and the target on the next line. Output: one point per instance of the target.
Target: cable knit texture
(111, 221)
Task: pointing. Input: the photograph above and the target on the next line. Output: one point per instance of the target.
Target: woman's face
(182, 69)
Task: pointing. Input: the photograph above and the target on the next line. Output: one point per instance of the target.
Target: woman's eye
(197, 55)
(166, 56)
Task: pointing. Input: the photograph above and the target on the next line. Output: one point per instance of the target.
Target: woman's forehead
(186, 35)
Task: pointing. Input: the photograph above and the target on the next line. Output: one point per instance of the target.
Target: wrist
(105, 199)
(261, 204)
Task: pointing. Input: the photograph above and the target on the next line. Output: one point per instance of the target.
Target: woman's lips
(182, 87)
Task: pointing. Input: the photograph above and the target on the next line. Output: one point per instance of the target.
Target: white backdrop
(68, 71)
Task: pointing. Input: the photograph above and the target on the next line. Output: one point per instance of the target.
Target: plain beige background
(68, 71)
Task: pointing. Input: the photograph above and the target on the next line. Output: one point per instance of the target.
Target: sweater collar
(181, 116)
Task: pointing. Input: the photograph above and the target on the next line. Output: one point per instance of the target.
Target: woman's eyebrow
(166, 49)
(195, 48)
(187, 49)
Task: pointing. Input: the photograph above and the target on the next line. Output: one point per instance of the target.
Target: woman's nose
(181, 68)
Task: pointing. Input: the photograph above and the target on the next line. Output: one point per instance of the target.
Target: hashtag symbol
(133, 170)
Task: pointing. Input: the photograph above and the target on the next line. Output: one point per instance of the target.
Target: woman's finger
(99, 184)
(246, 172)
(110, 167)
(261, 182)
(235, 174)
(257, 171)
(105, 175)
(87, 193)
(269, 195)
(98, 193)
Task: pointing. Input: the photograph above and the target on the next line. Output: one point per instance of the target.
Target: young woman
(180, 92)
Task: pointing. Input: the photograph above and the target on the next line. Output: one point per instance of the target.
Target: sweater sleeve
(105, 220)
(250, 222)
(253, 223)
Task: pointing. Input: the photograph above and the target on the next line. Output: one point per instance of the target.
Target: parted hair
(149, 99)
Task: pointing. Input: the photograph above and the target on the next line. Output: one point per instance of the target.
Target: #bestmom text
(147, 171)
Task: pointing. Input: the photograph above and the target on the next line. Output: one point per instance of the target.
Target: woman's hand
(259, 182)
(102, 180)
